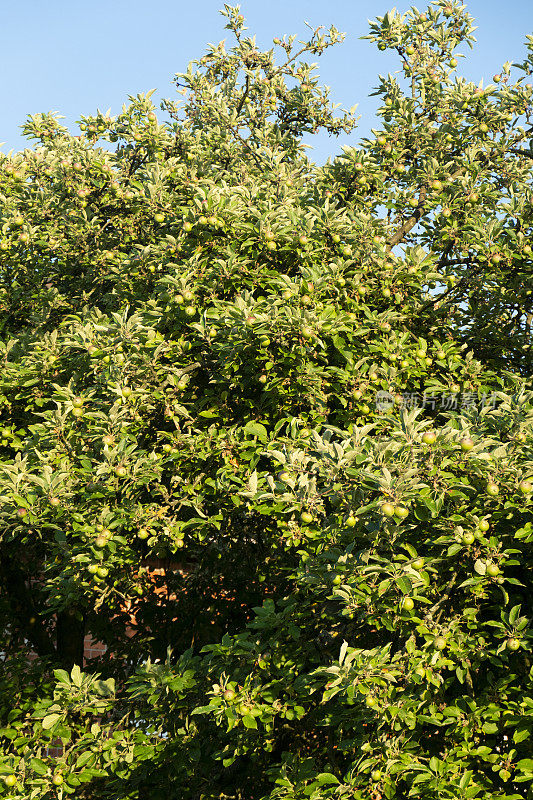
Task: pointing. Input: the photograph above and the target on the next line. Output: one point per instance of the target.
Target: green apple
(306, 517)
(493, 570)
(440, 642)
(407, 604)
(492, 489)
(467, 444)
(387, 509)
(429, 437)
(401, 512)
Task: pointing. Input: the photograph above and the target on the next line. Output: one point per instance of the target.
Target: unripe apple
(493, 570)
(387, 509)
(10, 780)
(483, 525)
(439, 642)
(526, 487)
(351, 521)
(513, 644)
(375, 775)
(121, 472)
(370, 701)
(306, 517)
(467, 444)
(407, 604)
(492, 489)
(429, 437)
(229, 694)
(468, 538)
(401, 512)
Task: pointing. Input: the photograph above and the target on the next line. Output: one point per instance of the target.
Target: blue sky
(74, 57)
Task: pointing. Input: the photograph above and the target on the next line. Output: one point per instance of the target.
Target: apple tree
(267, 435)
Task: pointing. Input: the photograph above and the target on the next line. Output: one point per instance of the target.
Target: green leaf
(327, 777)
(50, 720)
(256, 429)
(38, 766)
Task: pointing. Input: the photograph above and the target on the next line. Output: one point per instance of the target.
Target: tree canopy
(267, 435)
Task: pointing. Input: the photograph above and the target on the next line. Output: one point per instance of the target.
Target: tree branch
(410, 223)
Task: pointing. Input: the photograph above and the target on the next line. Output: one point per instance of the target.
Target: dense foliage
(267, 434)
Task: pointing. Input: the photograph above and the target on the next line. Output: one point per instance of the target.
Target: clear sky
(74, 57)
